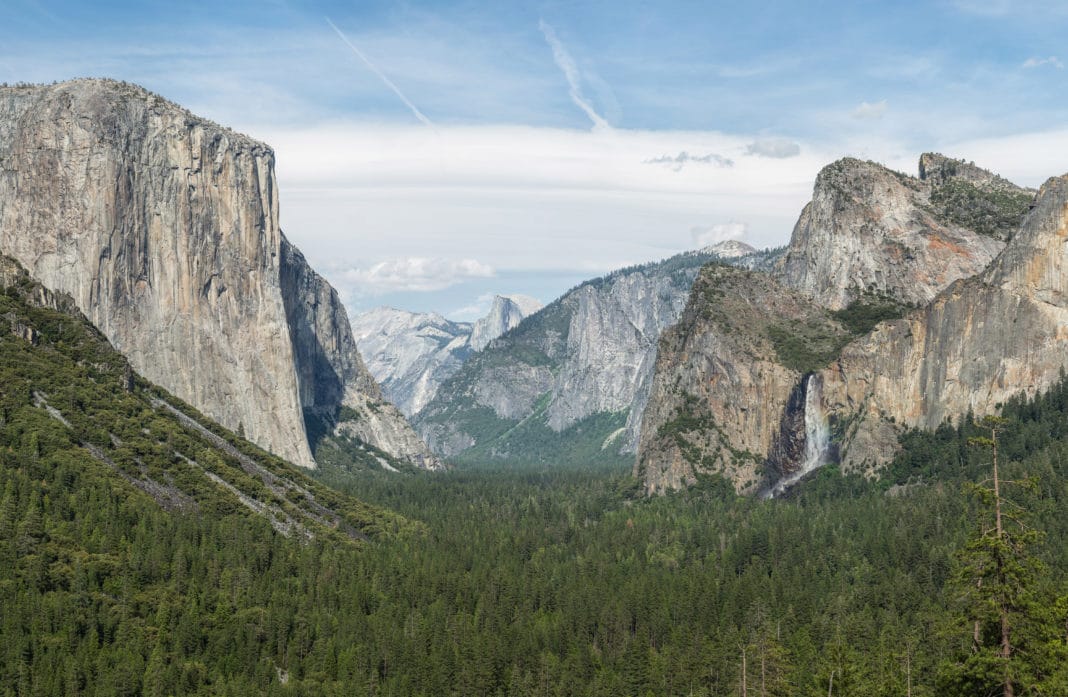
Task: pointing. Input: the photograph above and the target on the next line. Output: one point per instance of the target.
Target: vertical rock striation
(979, 342)
(731, 389)
(163, 227)
(412, 353)
(727, 396)
(576, 374)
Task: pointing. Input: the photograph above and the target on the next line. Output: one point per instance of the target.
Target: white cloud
(567, 65)
(870, 110)
(414, 274)
(556, 203)
(1051, 61)
(708, 235)
(777, 148)
(676, 162)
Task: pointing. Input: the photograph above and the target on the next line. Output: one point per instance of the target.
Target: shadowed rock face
(870, 229)
(330, 371)
(163, 227)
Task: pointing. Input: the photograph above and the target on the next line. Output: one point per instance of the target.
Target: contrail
(566, 63)
(389, 83)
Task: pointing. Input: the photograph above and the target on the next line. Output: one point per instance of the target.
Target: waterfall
(817, 436)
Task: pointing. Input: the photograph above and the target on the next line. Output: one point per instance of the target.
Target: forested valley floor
(558, 581)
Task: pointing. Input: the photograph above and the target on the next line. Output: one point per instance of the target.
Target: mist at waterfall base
(817, 438)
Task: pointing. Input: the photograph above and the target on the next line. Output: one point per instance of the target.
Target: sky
(431, 154)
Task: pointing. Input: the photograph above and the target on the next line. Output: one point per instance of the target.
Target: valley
(730, 471)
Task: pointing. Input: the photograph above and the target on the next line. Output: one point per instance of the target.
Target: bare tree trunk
(1006, 644)
(908, 670)
(745, 691)
(763, 690)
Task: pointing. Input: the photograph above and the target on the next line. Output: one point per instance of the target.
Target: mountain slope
(411, 353)
(163, 227)
(144, 549)
(571, 381)
(70, 400)
(725, 376)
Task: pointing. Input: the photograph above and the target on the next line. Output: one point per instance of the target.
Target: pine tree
(996, 579)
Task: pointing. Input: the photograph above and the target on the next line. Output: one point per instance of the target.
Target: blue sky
(481, 147)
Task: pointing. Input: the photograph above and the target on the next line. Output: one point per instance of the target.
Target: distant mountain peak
(729, 249)
(412, 353)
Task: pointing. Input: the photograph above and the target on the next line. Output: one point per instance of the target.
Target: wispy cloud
(777, 148)
(374, 69)
(1051, 61)
(415, 274)
(677, 162)
(870, 110)
(708, 235)
(567, 65)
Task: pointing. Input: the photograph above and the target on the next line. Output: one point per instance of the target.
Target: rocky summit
(164, 229)
(871, 230)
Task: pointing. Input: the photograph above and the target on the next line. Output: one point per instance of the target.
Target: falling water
(817, 436)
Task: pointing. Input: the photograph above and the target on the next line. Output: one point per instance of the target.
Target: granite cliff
(979, 342)
(725, 375)
(869, 229)
(163, 228)
(742, 387)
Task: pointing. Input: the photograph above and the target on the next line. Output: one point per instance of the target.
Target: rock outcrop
(730, 249)
(505, 314)
(870, 230)
(726, 398)
(163, 227)
(981, 341)
(742, 386)
(411, 353)
(332, 375)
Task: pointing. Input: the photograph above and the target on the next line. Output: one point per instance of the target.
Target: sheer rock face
(506, 313)
(163, 227)
(980, 341)
(611, 349)
(410, 353)
(721, 398)
(870, 229)
(330, 371)
(720, 391)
